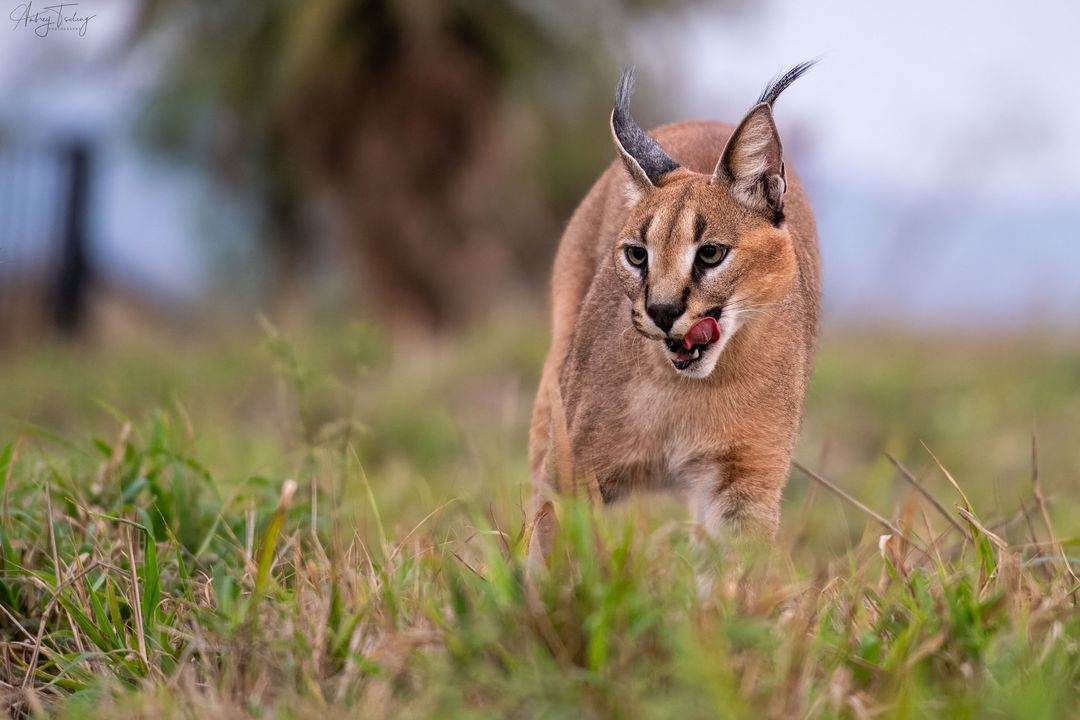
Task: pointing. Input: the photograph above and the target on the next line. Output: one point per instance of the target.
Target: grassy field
(285, 527)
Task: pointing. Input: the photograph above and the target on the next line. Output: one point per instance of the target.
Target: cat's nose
(665, 314)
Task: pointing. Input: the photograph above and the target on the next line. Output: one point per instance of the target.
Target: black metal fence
(44, 244)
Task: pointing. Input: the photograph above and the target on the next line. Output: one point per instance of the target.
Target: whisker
(746, 302)
(746, 307)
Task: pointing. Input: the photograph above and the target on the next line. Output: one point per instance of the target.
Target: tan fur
(723, 441)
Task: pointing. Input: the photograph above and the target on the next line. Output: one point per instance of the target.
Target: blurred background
(384, 176)
(184, 156)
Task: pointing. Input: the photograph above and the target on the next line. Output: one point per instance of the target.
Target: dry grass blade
(401, 543)
(76, 635)
(885, 522)
(15, 623)
(1040, 498)
(970, 517)
(136, 593)
(465, 562)
(948, 476)
(38, 641)
(914, 482)
(26, 682)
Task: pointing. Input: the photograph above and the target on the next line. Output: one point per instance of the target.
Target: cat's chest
(675, 428)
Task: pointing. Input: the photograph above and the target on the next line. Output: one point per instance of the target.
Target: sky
(937, 140)
(909, 92)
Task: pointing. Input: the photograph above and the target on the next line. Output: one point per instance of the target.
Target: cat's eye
(712, 254)
(636, 255)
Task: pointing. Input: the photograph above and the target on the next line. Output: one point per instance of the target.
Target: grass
(240, 528)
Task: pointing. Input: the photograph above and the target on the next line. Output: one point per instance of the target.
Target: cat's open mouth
(688, 350)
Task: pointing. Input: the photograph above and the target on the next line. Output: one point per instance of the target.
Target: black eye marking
(699, 228)
(636, 255)
(645, 227)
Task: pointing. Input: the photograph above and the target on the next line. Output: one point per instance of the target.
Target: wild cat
(685, 303)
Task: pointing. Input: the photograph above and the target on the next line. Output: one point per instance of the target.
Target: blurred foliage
(447, 138)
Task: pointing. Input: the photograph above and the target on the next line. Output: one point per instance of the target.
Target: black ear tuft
(752, 164)
(780, 84)
(643, 156)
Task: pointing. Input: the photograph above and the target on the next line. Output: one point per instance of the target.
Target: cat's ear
(644, 159)
(752, 164)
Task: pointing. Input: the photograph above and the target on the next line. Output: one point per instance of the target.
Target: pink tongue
(703, 332)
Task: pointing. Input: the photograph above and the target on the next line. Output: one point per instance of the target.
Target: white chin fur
(703, 368)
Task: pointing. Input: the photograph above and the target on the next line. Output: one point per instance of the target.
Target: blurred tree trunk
(69, 307)
(413, 183)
